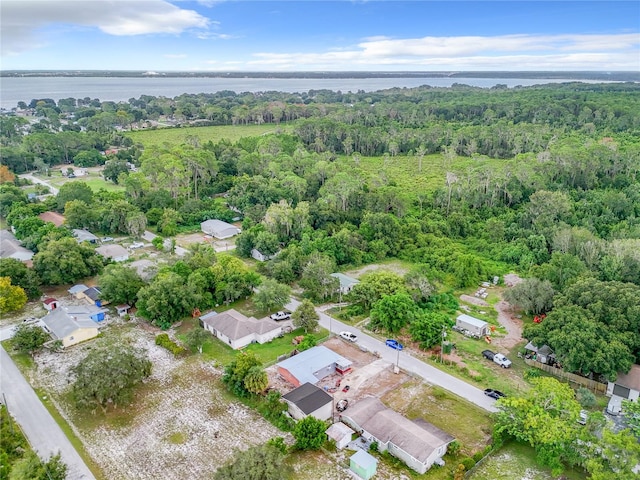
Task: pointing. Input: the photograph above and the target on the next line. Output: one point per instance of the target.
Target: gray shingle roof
(235, 325)
(64, 321)
(308, 398)
(387, 425)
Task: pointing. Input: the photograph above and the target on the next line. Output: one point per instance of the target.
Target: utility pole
(442, 342)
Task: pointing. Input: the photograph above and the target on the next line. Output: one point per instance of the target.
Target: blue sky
(236, 35)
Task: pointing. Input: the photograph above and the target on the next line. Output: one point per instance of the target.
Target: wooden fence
(597, 387)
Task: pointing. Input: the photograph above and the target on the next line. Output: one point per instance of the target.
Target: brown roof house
(52, 217)
(308, 400)
(417, 443)
(238, 331)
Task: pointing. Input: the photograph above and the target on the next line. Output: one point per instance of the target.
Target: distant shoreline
(622, 76)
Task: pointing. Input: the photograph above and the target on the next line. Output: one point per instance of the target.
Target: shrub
(468, 463)
(373, 447)
(164, 341)
(532, 373)
(585, 397)
(454, 448)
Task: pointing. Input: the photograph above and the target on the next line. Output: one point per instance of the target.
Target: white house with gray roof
(219, 229)
(346, 282)
(238, 331)
(417, 443)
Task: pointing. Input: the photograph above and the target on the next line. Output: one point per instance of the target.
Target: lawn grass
(95, 182)
(214, 134)
(517, 461)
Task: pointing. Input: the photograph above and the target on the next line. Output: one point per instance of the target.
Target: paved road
(408, 363)
(44, 434)
(28, 176)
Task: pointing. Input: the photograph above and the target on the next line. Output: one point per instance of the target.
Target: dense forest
(465, 183)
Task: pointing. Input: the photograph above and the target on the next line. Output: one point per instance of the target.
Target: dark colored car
(488, 354)
(490, 392)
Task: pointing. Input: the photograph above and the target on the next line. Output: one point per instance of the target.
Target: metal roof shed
(474, 325)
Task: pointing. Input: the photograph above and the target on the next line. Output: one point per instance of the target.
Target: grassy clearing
(404, 170)
(94, 181)
(205, 134)
(468, 423)
(517, 462)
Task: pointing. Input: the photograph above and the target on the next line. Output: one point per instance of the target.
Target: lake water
(15, 89)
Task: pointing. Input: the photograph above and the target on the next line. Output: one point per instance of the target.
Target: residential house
(346, 282)
(11, 247)
(219, 229)
(72, 325)
(472, 324)
(341, 434)
(261, 257)
(238, 331)
(52, 217)
(312, 365)
(309, 400)
(50, 304)
(84, 236)
(116, 253)
(626, 387)
(417, 443)
(363, 464)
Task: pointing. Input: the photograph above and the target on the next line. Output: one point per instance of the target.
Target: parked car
(352, 337)
(342, 405)
(279, 316)
(346, 388)
(498, 358)
(490, 392)
(488, 354)
(393, 344)
(106, 239)
(135, 245)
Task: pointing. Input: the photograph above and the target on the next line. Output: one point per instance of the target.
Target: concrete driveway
(42, 431)
(29, 176)
(407, 362)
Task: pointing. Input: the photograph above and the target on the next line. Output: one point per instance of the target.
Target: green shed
(363, 464)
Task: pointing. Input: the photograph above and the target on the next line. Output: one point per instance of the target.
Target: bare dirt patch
(512, 324)
(473, 300)
(184, 240)
(181, 425)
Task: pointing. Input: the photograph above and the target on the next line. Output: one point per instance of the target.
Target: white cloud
(22, 19)
(506, 52)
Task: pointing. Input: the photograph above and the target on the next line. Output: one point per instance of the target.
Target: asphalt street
(44, 434)
(408, 363)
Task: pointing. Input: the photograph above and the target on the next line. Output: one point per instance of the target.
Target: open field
(94, 179)
(205, 134)
(517, 462)
(181, 425)
(403, 170)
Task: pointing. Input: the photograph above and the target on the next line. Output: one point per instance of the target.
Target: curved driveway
(44, 434)
(408, 363)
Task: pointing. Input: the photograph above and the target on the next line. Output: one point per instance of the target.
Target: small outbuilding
(472, 324)
(312, 366)
(346, 282)
(544, 354)
(123, 309)
(261, 257)
(363, 464)
(50, 303)
(309, 400)
(341, 434)
(627, 385)
(116, 253)
(219, 229)
(78, 290)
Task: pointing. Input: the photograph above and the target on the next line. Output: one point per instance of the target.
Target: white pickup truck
(498, 358)
(278, 316)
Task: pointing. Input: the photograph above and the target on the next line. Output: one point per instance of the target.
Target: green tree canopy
(30, 466)
(393, 312)
(21, 276)
(196, 338)
(29, 338)
(74, 191)
(309, 433)
(262, 462)
(236, 372)
(271, 295)
(64, 261)
(167, 299)
(374, 285)
(97, 386)
(531, 295)
(428, 328)
(305, 316)
(12, 297)
(256, 380)
(120, 284)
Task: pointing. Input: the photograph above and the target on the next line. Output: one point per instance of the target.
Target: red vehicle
(346, 388)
